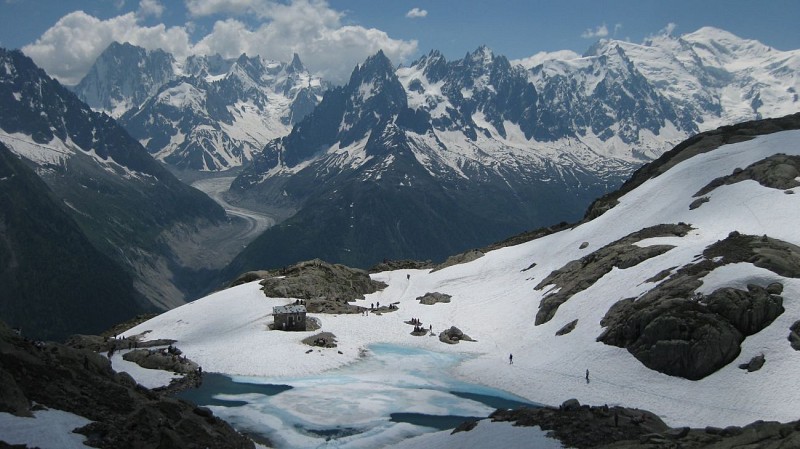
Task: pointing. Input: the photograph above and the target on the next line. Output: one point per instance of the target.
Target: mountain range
(441, 156)
(205, 113)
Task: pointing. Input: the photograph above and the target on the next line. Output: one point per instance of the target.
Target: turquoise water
(394, 393)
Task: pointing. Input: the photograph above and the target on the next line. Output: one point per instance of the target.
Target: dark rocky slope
(582, 426)
(54, 282)
(82, 382)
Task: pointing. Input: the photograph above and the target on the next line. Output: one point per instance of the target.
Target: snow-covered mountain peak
(123, 76)
(375, 68)
(719, 48)
(296, 66)
(482, 55)
(213, 113)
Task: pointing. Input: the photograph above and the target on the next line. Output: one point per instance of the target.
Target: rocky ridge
(583, 426)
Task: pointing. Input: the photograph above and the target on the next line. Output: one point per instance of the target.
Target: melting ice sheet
(392, 394)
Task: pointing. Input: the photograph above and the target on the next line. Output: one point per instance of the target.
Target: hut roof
(291, 308)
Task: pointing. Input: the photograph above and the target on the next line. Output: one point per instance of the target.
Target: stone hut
(289, 318)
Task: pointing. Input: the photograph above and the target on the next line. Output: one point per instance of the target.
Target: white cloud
(542, 56)
(310, 28)
(600, 31)
(150, 8)
(202, 8)
(669, 29)
(416, 13)
(68, 48)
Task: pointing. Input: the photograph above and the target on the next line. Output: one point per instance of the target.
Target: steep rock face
(121, 198)
(124, 76)
(55, 283)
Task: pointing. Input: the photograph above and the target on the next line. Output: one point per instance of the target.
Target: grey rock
(676, 331)
(775, 288)
(466, 426)
(749, 311)
(578, 275)
(327, 287)
(162, 360)
(676, 433)
(754, 364)
(433, 298)
(778, 171)
(123, 414)
(322, 339)
(570, 404)
(465, 257)
(569, 327)
(453, 335)
(696, 203)
(794, 335)
(584, 245)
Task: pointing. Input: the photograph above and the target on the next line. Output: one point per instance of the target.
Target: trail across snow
(494, 302)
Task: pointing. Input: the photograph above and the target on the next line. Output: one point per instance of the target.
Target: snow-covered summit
(716, 77)
(124, 76)
(221, 112)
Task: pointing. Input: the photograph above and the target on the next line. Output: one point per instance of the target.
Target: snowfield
(494, 302)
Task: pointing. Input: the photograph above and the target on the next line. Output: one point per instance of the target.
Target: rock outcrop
(162, 360)
(322, 340)
(794, 335)
(453, 336)
(465, 257)
(569, 327)
(581, 426)
(433, 298)
(676, 331)
(316, 279)
(778, 171)
(405, 264)
(754, 364)
(581, 274)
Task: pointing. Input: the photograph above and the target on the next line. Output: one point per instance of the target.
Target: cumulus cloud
(202, 8)
(543, 56)
(669, 29)
(150, 8)
(416, 13)
(600, 31)
(68, 48)
(310, 28)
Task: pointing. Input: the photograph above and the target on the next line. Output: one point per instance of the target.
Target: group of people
(418, 327)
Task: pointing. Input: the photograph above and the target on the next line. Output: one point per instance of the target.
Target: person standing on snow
(511, 359)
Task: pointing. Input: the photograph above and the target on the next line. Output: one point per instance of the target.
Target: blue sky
(332, 36)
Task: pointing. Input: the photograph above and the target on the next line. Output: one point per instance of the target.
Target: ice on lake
(391, 394)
